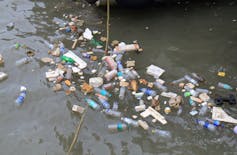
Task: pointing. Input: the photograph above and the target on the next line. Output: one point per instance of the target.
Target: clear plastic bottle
(201, 90)
(129, 74)
(180, 110)
(68, 75)
(224, 85)
(112, 113)
(102, 71)
(130, 121)
(120, 66)
(134, 72)
(21, 98)
(92, 104)
(50, 46)
(108, 86)
(110, 75)
(117, 127)
(62, 48)
(215, 122)
(119, 57)
(102, 92)
(115, 106)
(178, 81)
(104, 103)
(191, 80)
(23, 61)
(206, 125)
(122, 92)
(203, 109)
(198, 77)
(148, 91)
(162, 133)
(161, 87)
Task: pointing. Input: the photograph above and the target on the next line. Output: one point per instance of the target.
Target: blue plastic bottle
(120, 66)
(104, 103)
(148, 91)
(21, 98)
(206, 125)
(92, 104)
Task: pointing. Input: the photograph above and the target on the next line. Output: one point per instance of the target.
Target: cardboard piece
(219, 114)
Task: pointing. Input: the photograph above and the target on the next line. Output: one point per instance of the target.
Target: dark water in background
(188, 37)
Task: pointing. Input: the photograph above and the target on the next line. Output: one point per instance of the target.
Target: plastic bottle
(134, 72)
(62, 48)
(110, 62)
(110, 75)
(50, 46)
(117, 127)
(148, 91)
(112, 113)
(127, 48)
(122, 93)
(215, 122)
(130, 121)
(23, 61)
(178, 81)
(162, 133)
(161, 87)
(92, 104)
(201, 90)
(120, 66)
(102, 71)
(206, 124)
(108, 86)
(21, 98)
(180, 110)
(102, 92)
(198, 77)
(224, 85)
(119, 57)
(104, 103)
(129, 74)
(115, 106)
(203, 109)
(191, 102)
(191, 80)
(68, 75)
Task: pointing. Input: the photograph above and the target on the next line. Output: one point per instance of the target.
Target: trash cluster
(106, 80)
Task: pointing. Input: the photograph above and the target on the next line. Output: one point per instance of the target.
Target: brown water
(182, 38)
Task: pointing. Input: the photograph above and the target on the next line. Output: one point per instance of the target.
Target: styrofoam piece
(82, 64)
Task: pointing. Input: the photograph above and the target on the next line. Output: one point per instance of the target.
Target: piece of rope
(107, 27)
(77, 132)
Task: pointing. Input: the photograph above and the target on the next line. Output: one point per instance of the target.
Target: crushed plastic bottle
(23, 61)
(148, 91)
(191, 80)
(21, 98)
(162, 133)
(203, 109)
(112, 113)
(160, 86)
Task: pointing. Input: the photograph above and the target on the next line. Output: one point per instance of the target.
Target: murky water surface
(182, 38)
